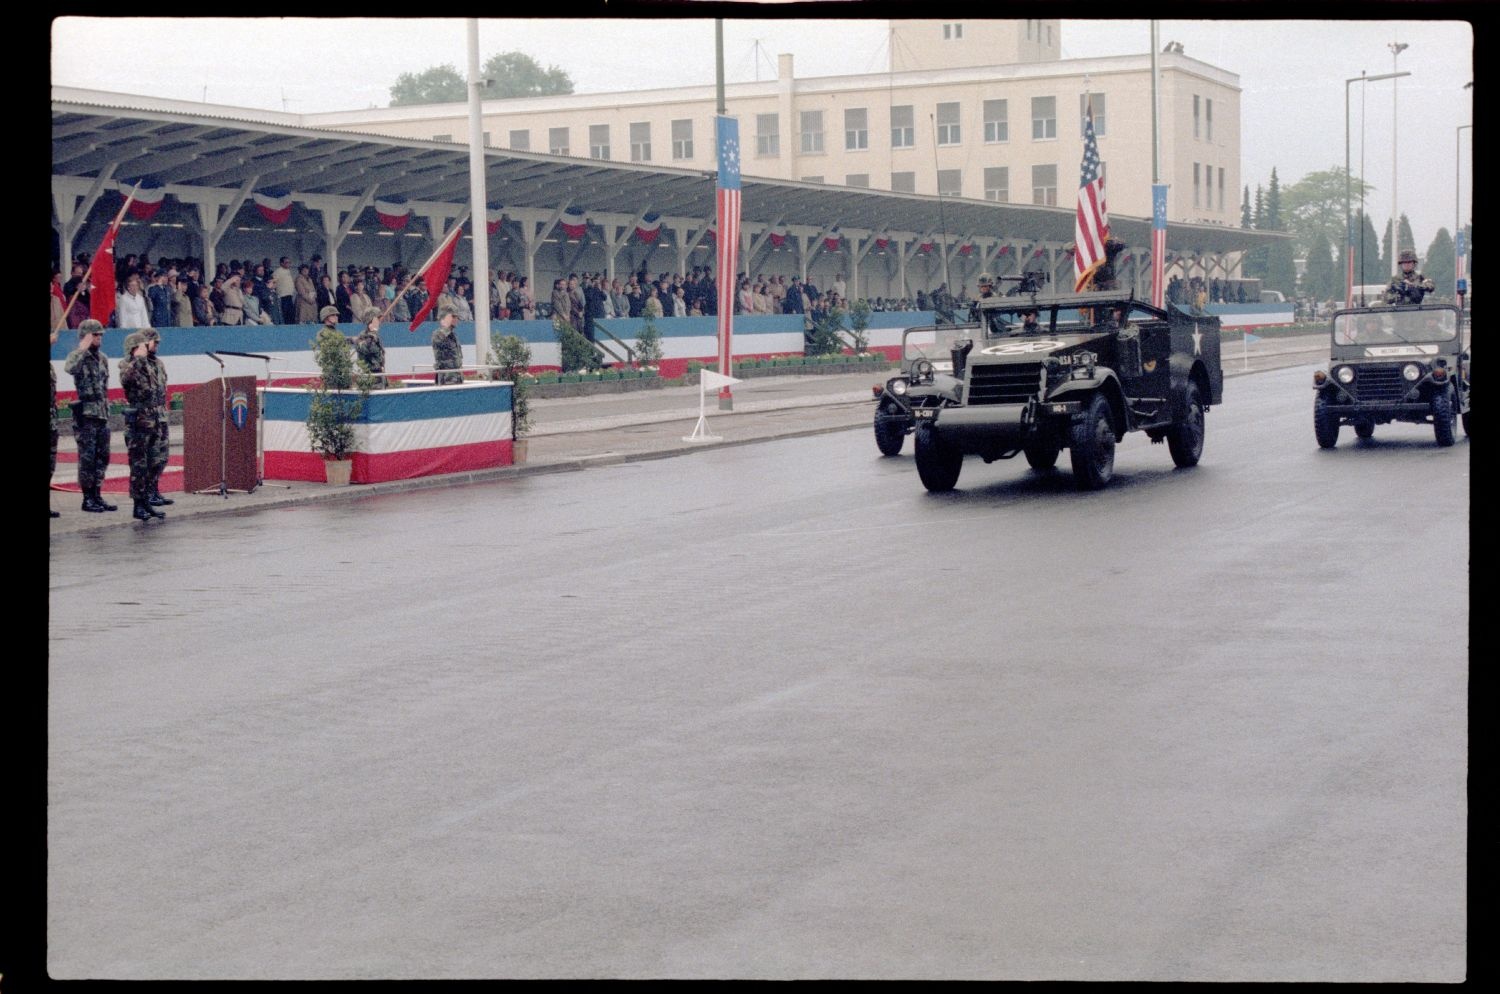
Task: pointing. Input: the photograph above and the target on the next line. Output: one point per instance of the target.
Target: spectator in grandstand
(254, 314)
(652, 308)
(416, 295)
(233, 310)
(203, 308)
(562, 303)
(324, 296)
(359, 299)
(284, 281)
(132, 310)
(159, 295)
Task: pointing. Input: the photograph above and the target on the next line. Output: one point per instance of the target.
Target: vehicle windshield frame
(1397, 326)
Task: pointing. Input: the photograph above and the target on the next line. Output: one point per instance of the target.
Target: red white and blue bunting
(834, 240)
(649, 228)
(925, 247)
(967, 249)
(393, 212)
(575, 222)
(882, 243)
(274, 204)
(148, 198)
(494, 216)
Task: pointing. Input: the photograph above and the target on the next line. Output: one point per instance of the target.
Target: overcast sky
(1292, 74)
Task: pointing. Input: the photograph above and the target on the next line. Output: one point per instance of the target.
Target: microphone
(215, 358)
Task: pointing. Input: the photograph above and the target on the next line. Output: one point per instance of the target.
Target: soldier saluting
(137, 377)
(1407, 286)
(367, 346)
(89, 368)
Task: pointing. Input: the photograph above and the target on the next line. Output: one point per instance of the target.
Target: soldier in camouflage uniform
(53, 371)
(161, 447)
(446, 352)
(1408, 286)
(367, 347)
(137, 376)
(89, 368)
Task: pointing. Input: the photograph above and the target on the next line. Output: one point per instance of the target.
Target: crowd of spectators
(174, 293)
(1196, 291)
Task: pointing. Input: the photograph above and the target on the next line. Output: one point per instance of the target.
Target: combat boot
(56, 515)
(157, 500)
(141, 512)
(104, 505)
(91, 503)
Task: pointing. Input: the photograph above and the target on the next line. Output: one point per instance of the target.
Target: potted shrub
(512, 358)
(859, 325)
(648, 350)
(331, 413)
(577, 352)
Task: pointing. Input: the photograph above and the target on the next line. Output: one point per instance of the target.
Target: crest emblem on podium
(239, 409)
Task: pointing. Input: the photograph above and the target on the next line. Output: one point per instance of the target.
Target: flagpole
(457, 228)
(726, 398)
(85, 280)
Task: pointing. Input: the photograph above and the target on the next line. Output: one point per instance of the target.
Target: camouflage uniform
(447, 354)
(90, 372)
(1408, 288)
(137, 376)
(369, 351)
(161, 446)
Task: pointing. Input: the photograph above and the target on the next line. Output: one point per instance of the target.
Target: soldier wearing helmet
(986, 290)
(1408, 286)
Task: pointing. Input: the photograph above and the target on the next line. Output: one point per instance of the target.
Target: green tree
(437, 85)
(516, 74)
(1438, 263)
(1367, 262)
(1315, 205)
(1255, 259)
(506, 74)
(1408, 240)
(1321, 281)
(1245, 218)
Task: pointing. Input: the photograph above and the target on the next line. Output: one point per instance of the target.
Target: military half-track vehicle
(1394, 363)
(1091, 368)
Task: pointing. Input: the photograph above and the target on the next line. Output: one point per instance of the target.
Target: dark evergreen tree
(1367, 264)
(1321, 280)
(1245, 219)
(1438, 263)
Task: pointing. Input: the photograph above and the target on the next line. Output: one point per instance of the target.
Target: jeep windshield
(1394, 327)
(933, 344)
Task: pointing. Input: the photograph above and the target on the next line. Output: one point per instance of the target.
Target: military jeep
(1394, 363)
(926, 373)
(1093, 367)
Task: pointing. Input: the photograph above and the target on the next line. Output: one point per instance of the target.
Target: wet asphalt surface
(773, 711)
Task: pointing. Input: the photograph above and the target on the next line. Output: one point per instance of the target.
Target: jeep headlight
(898, 387)
(1345, 374)
(922, 371)
(1412, 372)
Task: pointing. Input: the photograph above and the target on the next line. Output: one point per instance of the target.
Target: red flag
(102, 279)
(439, 267)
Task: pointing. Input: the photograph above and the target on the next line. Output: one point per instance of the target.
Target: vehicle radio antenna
(942, 218)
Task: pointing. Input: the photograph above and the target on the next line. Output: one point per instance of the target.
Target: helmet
(1407, 255)
(985, 279)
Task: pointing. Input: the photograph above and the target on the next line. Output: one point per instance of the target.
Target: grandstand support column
(211, 225)
(855, 258)
(329, 208)
(989, 253)
(535, 227)
(72, 215)
(615, 237)
(759, 243)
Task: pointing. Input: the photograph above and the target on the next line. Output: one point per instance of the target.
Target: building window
(598, 141)
(1049, 36)
(997, 121)
(557, 141)
(1197, 198)
(861, 180)
(948, 132)
(487, 140)
(812, 131)
(442, 138)
(1208, 120)
(682, 139)
(1044, 185)
(903, 182)
(952, 32)
(1221, 188)
(997, 183)
(812, 179)
(856, 129)
(767, 135)
(1043, 118)
(520, 141)
(1195, 115)
(950, 182)
(640, 141)
(903, 130)
(1095, 100)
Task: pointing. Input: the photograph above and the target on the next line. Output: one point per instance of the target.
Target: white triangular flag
(711, 379)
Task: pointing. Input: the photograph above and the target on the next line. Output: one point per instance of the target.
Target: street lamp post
(1348, 218)
(1457, 194)
(1396, 47)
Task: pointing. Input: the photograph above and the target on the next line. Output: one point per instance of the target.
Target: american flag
(1091, 226)
(1158, 244)
(727, 130)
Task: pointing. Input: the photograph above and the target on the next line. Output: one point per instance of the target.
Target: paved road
(774, 711)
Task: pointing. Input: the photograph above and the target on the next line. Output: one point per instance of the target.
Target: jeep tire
(937, 464)
(1325, 424)
(1092, 446)
(1042, 455)
(1185, 437)
(890, 429)
(1442, 417)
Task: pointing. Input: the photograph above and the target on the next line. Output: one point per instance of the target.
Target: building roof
(203, 145)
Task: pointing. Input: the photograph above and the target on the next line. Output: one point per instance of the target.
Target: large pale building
(982, 109)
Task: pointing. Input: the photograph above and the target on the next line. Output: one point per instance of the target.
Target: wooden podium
(220, 422)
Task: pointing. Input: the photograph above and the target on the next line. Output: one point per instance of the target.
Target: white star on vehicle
(1197, 341)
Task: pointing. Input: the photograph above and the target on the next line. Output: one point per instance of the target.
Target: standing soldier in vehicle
(367, 347)
(161, 445)
(446, 352)
(89, 368)
(1408, 286)
(136, 376)
(986, 291)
